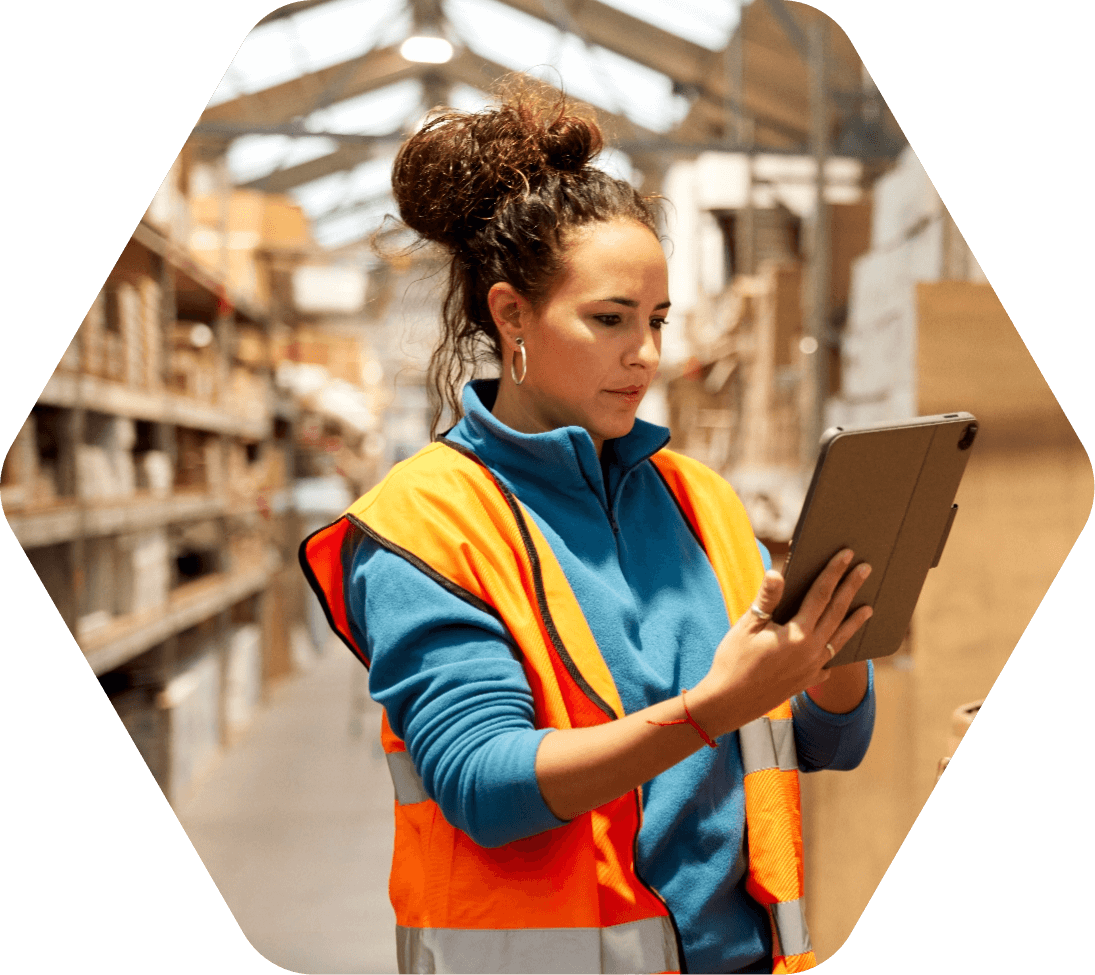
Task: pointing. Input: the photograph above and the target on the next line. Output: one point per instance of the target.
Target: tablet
(886, 491)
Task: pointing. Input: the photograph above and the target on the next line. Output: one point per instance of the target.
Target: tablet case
(887, 492)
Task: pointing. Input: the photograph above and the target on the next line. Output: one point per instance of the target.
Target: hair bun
(569, 143)
(451, 176)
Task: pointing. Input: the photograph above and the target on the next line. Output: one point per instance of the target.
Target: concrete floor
(295, 826)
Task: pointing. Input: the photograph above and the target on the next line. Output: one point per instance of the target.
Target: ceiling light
(426, 49)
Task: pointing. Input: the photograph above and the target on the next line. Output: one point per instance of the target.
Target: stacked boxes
(198, 463)
(247, 393)
(225, 236)
(105, 466)
(119, 338)
(193, 361)
(131, 327)
(148, 371)
(913, 240)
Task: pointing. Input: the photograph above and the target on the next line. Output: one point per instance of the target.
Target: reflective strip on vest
(638, 946)
(408, 784)
(789, 925)
(768, 744)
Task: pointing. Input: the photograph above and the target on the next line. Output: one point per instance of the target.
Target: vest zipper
(635, 860)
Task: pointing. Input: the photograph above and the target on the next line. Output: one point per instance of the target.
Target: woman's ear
(509, 310)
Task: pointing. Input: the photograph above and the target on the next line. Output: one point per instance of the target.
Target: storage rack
(150, 489)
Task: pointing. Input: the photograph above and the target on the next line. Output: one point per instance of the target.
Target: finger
(837, 609)
(768, 597)
(849, 628)
(821, 592)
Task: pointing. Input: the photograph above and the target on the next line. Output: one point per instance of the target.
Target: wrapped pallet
(94, 473)
(155, 472)
(192, 703)
(144, 570)
(242, 678)
(105, 466)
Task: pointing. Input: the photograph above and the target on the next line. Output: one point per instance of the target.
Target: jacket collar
(561, 459)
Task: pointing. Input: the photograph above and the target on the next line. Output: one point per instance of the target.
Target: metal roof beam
(282, 180)
(639, 40)
(298, 97)
(791, 28)
(234, 130)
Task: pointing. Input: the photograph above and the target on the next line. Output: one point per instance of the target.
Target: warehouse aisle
(295, 826)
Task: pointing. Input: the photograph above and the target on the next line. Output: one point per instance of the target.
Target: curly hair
(501, 190)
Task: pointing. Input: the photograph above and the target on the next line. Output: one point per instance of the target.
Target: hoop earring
(524, 363)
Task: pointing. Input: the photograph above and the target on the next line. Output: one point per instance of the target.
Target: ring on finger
(831, 649)
(759, 613)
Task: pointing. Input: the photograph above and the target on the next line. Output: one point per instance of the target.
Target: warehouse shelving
(150, 489)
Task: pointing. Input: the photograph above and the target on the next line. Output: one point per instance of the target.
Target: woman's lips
(629, 394)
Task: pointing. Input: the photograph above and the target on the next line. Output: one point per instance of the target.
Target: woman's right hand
(760, 664)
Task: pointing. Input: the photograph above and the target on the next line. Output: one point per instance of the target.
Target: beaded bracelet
(688, 719)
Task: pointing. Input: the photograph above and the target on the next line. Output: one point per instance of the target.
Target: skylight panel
(373, 113)
(310, 41)
(708, 23)
(346, 227)
(604, 79)
(342, 29)
(251, 157)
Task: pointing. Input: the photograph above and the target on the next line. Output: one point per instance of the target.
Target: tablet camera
(967, 437)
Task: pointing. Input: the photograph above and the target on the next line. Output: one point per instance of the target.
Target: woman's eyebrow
(630, 303)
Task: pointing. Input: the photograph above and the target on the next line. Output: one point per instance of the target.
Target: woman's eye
(658, 323)
(608, 319)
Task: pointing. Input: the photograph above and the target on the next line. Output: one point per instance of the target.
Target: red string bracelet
(688, 719)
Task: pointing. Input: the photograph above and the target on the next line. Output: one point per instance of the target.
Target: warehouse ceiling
(320, 93)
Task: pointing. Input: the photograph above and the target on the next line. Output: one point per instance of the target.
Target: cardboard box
(284, 225)
(340, 355)
(150, 370)
(193, 369)
(132, 329)
(191, 470)
(850, 237)
(252, 347)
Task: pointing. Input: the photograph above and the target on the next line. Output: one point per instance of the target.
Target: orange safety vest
(568, 899)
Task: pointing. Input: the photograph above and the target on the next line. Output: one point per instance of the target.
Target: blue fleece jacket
(455, 692)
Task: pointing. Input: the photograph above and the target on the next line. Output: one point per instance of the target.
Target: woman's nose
(648, 353)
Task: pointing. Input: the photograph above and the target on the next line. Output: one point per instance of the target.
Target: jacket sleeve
(825, 740)
(454, 690)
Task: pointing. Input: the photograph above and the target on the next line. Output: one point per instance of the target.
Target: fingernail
(864, 570)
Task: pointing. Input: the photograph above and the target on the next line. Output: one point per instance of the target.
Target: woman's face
(594, 343)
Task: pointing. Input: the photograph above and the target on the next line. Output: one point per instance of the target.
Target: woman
(590, 720)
